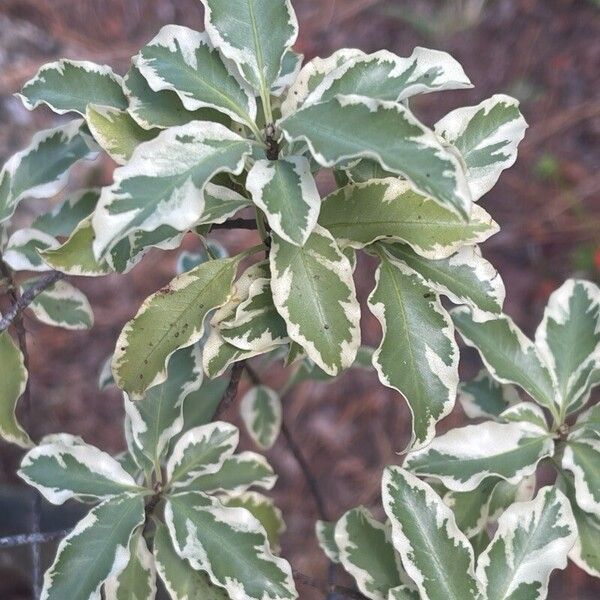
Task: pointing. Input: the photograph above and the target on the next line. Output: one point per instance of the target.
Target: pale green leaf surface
(582, 458)
(353, 126)
(485, 397)
(435, 553)
(418, 355)
(261, 412)
(325, 532)
(525, 412)
(22, 252)
(313, 290)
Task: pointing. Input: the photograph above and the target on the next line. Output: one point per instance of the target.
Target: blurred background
(544, 52)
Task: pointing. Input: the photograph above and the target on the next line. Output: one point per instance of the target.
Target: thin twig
(21, 301)
(231, 391)
(236, 224)
(25, 539)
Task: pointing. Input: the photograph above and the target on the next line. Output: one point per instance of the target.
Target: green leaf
(162, 109)
(526, 412)
(312, 74)
(465, 278)
(164, 181)
(230, 545)
(325, 533)
(182, 60)
(291, 64)
(76, 255)
(287, 193)
(200, 407)
(181, 581)
(264, 510)
(221, 203)
(62, 305)
(582, 458)
(532, 539)
(385, 76)
(137, 581)
(13, 375)
(506, 494)
(201, 451)
(587, 424)
(66, 216)
(255, 35)
(261, 412)
(22, 252)
(403, 592)
(116, 132)
(96, 550)
(435, 553)
(41, 169)
(353, 126)
(391, 210)
(507, 450)
(158, 416)
(367, 553)
(69, 86)
(61, 471)
(568, 338)
(487, 137)
(314, 292)
(508, 354)
(483, 396)
(237, 474)
(418, 355)
(168, 320)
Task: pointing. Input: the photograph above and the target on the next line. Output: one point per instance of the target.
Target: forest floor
(545, 52)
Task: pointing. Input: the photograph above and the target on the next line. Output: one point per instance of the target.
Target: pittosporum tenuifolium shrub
(203, 126)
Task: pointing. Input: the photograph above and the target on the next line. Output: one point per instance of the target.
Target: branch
(231, 391)
(22, 301)
(236, 224)
(25, 539)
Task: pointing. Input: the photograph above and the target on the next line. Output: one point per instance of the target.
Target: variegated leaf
(230, 545)
(255, 35)
(62, 305)
(391, 210)
(526, 412)
(533, 539)
(314, 292)
(22, 252)
(105, 376)
(403, 592)
(76, 255)
(62, 220)
(418, 355)
(291, 63)
(182, 60)
(264, 510)
(353, 126)
(220, 203)
(13, 375)
(237, 474)
(41, 169)
(201, 451)
(170, 319)
(137, 581)
(96, 550)
(158, 416)
(508, 354)
(487, 137)
(568, 338)
(116, 132)
(367, 553)
(385, 76)
(582, 458)
(587, 424)
(435, 553)
(484, 397)
(61, 471)
(181, 581)
(70, 85)
(162, 109)
(200, 407)
(163, 183)
(287, 193)
(261, 412)
(465, 278)
(505, 494)
(312, 74)
(462, 458)
(325, 532)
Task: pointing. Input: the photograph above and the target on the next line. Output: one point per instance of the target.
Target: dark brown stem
(231, 391)
(21, 301)
(236, 224)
